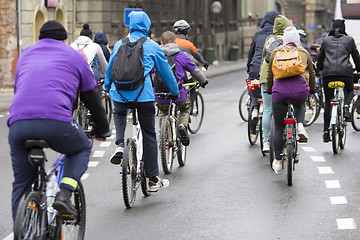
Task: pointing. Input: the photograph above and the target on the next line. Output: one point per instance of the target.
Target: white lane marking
(98, 154)
(318, 158)
(10, 237)
(325, 170)
(338, 200)
(105, 144)
(2, 116)
(332, 184)
(93, 164)
(85, 176)
(308, 149)
(346, 223)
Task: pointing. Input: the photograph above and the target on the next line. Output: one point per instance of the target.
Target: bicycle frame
(138, 138)
(337, 105)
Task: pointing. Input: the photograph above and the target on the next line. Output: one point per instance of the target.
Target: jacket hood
(83, 40)
(100, 37)
(269, 18)
(170, 49)
(280, 23)
(139, 22)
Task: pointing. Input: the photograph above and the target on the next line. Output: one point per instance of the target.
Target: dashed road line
(332, 184)
(336, 200)
(93, 164)
(318, 158)
(105, 144)
(325, 170)
(308, 149)
(85, 176)
(98, 154)
(346, 223)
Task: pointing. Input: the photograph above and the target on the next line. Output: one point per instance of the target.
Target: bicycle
(337, 122)
(313, 105)
(244, 105)
(35, 217)
(355, 108)
(257, 126)
(133, 173)
(106, 100)
(170, 144)
(197, 107)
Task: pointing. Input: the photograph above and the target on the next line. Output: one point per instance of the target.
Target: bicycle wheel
(144, 182)
(271, 141)
(311, 110)
(197, 113)
(75, 228)
(129, 173)
(261, 137)
(244, 105)
(342, 135)
(355, 115)
(335, 132)
(253, 131)
(289, 162)
(166, 147)
(181, 153)
(107, 105)
(30, 220)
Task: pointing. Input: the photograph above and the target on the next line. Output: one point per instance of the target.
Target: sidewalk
(6, 95)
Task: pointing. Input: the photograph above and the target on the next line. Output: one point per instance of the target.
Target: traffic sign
(127, 12)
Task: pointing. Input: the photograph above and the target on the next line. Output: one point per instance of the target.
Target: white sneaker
(302, 133)
(277, 167)
(266, 147)
(161, 183)
(255, 114)
(117, 155)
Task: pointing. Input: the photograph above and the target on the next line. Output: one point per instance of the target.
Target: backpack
(273, 43)
(158, 84)
(287, 63)
(81, 50)
(128, 67)
(95, 67)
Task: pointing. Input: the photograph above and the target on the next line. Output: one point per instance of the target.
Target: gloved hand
(172, 97)
(204, 84)
(206, 65)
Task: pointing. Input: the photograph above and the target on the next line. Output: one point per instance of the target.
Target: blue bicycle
(35, 217)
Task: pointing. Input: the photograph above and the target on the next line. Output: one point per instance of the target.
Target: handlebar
(163, 95)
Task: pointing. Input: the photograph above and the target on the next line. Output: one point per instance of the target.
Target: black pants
(329, 94)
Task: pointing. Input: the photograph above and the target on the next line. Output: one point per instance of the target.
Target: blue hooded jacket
(153, 57)
(257, 45)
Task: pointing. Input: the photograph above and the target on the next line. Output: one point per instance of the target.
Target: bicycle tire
(355, 115)
(335, 134)
(166, 147)
(342, 135)
(197, 113)
(289, 163)
(311, 110)
(144, 183)
(244, 105)
(271, 141)
(181, 154)
(129, 174)
(30, 221)
(261, 138)
(106, 100)
(75, 228)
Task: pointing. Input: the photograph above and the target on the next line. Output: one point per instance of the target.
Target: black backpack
(128, 67)
(275, 42)
(158, 84)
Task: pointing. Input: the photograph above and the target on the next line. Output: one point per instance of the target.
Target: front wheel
(335, 137)
(107, 105)
(30, 220)
(311, 110)
(355, 115)
(167, 147)
(196, 113)
(181, 154)
(261, 138)
(244, 105)
(342, 136)
(128, 173)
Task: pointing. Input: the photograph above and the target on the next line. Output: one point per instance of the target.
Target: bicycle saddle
(336, 84)
(31, 143)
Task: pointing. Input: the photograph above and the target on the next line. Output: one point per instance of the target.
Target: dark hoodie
(101, 39)
(256, 47)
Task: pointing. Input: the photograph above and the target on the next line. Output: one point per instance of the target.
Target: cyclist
(153, 57)
(280, 23)
(92, 50)
(46, 86)
(101, 39)
(333, 60)
(182, 63)
(295, 88)
(254, 62)
(182, 29)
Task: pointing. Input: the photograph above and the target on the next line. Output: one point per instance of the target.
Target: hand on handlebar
(204, 84)
(172, 97)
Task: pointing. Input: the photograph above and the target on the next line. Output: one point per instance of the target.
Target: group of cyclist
(333, 61)
(50, 74)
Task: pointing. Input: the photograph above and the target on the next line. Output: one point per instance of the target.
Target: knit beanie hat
(86, 31)
(53, 29)
(339, 23)
(291, 35)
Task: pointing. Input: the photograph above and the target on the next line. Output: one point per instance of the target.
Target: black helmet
(181, 26)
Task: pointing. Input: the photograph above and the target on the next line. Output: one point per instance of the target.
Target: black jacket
(334, 56)
(101, 39)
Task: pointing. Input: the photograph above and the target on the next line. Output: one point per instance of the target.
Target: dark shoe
(183, 135)
(252, 126)
(326, 137)
(347, 114)
(63, 205)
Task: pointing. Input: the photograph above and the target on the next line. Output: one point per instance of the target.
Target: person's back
(101, 39)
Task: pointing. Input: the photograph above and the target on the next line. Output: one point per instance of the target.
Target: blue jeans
(63, 137)
(146, 114)
(266, 120)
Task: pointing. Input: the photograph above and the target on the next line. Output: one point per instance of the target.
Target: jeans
(266, 120)
(146, 114)
(63, 137)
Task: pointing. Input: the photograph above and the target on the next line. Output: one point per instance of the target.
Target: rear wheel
(197, 113)
(335, 132)
(129, 174)
(311, 110)
(30, 220)
(166, 147)
(181, 154)
(244, 105)
(289, 162)
(253, 130)
(355, 115)
(271, 141)
(107, 105)
(144, 183)
(261, 138)
(342, 136)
